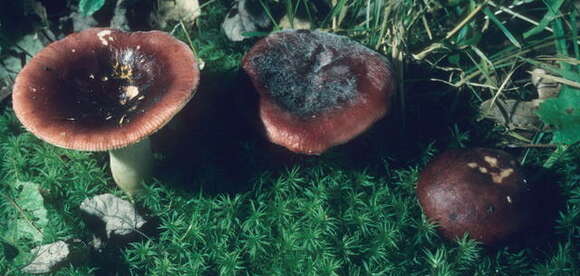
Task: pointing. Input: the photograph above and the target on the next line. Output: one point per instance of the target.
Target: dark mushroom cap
(316, 89)
(103, 89)
(476, 191)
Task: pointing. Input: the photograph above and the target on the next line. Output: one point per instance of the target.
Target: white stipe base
(131, 165)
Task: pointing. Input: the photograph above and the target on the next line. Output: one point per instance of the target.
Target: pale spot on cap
(102, 35)
(498, 178)
(492, 161)
(482, 169)
(472, 165)
(131, 91)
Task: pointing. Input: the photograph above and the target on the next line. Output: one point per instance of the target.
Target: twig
(516, 15)
(451, 33)
(531, 145)
(421, 55)
(426, 26)
(476, 73)
(466, 20)
(501, 88)
(554, 78)
(569, 60)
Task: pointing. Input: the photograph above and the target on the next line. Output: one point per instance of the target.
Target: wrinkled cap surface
(316, 89)
(478, 191)
(102, 89)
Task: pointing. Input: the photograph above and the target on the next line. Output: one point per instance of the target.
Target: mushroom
(106, 90)
(316, 89)
(477, 191)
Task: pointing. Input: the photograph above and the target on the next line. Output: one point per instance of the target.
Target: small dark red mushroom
(106, 90)
(477, 191)
(316, 89)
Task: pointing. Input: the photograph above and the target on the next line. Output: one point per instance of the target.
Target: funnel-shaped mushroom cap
(103, 89)
(317, 90)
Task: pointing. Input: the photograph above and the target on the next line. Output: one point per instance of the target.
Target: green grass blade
(336, 10)
(308, 12)
(573, 16)
(482, 56)
(483, 68)
(269, 13)
(560, 38)
(290, 11)
(503, 28)
(555, 156)
(553, 7)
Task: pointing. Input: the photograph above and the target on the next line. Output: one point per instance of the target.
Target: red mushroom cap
(102, 89)
(316, 89)
(477, 191)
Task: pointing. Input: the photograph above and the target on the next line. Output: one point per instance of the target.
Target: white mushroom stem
(131, 165)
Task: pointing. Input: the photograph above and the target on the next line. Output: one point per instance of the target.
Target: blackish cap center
(307, 73)
(107, 86)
